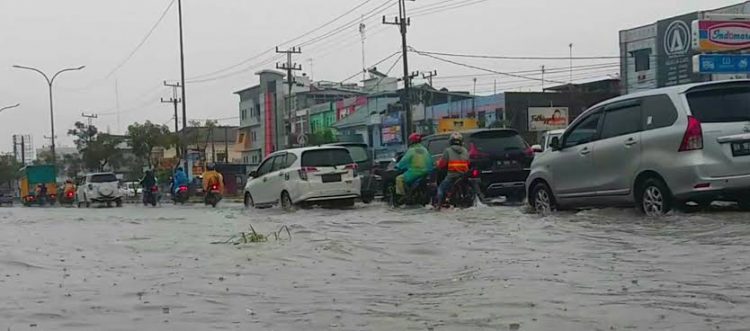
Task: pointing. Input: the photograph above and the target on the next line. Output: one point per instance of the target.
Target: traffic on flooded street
(428, 165)
(373, 268)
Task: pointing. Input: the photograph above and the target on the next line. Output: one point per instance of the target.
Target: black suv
(501, 159)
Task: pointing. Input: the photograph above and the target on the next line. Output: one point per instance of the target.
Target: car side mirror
(537, 148)
(555, 144)
(253, 174)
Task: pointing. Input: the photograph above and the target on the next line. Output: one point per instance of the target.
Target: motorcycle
(150, 196)
(68, 198)
(419, 193)
(463, 193)
(213, 196)
(182, 195)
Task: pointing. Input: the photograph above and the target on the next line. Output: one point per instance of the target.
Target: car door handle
(585, 152)
(630, 142)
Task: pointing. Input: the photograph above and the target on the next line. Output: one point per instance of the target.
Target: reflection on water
(373, 268)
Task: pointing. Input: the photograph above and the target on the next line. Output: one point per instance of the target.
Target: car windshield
(721, 105)
(103, 178)
(498, 141)
(326, 158)
(358, 153)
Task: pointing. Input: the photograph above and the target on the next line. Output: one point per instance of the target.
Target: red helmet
(415, 138)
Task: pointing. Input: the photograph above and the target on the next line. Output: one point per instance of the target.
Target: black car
(500, 157)
(362, 155)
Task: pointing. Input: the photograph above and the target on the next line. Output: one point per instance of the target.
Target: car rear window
(438, 145)
(495, 142)
(721, 105)
(103, 178)
(326, 158)
(358, 153)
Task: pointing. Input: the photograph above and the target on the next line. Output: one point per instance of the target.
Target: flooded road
(371, 268)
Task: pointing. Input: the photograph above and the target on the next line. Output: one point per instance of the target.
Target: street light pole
(50, 81)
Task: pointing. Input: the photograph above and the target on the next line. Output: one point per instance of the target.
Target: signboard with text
(715, 36)
(675, 55)
(547, 118)
(721, 63)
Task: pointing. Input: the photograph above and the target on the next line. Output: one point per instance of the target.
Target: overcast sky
(219, 34)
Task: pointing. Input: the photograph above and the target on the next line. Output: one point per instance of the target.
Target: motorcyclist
(212, 177)
(147, 182)
(69, 187)
(455, 161)
(180, 179)
(417, 163)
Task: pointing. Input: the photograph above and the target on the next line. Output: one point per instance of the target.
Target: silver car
(658, 149)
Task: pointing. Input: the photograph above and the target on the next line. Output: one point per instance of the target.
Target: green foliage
(8, 168)
(323, 137)
(145, 137)
(97, 150)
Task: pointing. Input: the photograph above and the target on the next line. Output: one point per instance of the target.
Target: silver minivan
(659, 149)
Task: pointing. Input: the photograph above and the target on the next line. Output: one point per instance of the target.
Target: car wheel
(118, 203)
(542, 199)
(249, 202)
(744, 203)
(654, 198)
(368, 197)
(348, 203)
(286, 201)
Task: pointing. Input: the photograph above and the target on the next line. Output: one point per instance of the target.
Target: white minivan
(304, 176)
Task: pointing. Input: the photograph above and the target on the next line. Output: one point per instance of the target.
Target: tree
(97, 150)
(44, 157)
(144, 138)
(8, 169)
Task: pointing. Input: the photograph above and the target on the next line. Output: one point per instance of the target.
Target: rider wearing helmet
(455, 161)
(417, 163)
(212, 177)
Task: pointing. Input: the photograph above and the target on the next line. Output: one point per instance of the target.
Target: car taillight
(475, 173)
(353, 168)
(306, 170)
(693, 139)
(183, 188)
(69, 194)
(474, 152)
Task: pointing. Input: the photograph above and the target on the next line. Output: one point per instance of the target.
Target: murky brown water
(372, 269)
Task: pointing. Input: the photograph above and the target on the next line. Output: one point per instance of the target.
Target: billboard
(548, 118)
(721, 63)
(674, 59)
(392, 135)
(716, 36)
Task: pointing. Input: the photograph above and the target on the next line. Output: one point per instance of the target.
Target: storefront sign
(714, 36)
(392, 135)
(721, 63)
(674, 59)
(548, 118)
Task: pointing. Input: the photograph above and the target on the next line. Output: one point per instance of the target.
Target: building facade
(661, 54)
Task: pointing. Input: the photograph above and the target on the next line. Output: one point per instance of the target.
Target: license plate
(507, 164)
(741, 148)
(332, 178)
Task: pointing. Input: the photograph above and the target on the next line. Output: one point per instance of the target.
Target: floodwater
(372, 268)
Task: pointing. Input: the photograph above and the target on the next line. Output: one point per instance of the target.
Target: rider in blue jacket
(180, 179)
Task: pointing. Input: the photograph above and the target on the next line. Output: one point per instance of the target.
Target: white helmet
(456, 138)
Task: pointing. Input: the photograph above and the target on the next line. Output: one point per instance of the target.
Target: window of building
(642, 59)
(241, 138)
(254, 135)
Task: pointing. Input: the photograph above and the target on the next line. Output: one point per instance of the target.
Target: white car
(99, 188)
(304, 176)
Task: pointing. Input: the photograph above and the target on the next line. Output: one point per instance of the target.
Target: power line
(480, 68)
(551, 70)
(143, 41)
(374, 65)
(499, 57)
(439, 9)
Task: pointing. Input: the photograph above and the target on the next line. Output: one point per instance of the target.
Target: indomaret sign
(716, 36)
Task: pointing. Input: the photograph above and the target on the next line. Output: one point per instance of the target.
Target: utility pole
(182, 67)
(543, 71)
(428, 76)
(403, 22)
(226, 144)
(363, 35)
(474, 98)
(571, 63)
(175, 100)
(23, 150)
(290, 68)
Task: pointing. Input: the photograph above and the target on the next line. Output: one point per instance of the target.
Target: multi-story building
(661, 54)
